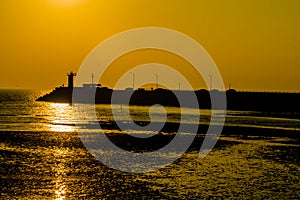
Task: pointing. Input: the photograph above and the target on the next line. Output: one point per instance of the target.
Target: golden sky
(255, 43)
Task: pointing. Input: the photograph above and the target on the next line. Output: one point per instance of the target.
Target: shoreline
(135, 144)
(172, 127)
(41, 164)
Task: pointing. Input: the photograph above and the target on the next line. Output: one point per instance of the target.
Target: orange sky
(255, 43)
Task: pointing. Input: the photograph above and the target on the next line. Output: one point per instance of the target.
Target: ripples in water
(56, 165)
(41, 156)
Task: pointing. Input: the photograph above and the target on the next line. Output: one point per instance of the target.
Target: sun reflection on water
(60, 173)
(62, 118)
(61, 128)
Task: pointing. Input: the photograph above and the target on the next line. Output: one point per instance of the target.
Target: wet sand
(246, 163)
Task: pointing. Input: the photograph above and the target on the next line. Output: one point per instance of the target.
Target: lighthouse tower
(71, 79)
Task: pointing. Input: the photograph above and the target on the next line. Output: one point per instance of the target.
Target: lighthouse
(71, 79)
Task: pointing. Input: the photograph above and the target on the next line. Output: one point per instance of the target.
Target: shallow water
(250, 169)
(56, 165)
(42, 157)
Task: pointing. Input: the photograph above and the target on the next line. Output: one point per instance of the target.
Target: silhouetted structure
(71, 79)
(252, 101)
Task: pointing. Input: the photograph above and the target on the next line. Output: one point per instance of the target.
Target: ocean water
(42, 156)
(20, 112)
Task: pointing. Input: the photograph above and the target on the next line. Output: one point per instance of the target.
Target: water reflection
(60, 173)
(61, 118)
(61, 128)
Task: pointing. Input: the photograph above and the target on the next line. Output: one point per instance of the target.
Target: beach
(41, 165)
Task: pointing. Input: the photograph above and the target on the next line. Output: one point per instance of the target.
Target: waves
(20, 112)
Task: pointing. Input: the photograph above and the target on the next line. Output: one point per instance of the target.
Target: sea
(42, 156)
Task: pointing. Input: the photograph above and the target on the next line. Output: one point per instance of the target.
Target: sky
(254, 43)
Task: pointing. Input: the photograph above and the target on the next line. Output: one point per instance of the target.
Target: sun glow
(63, 118)
(66, 3)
